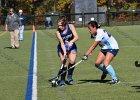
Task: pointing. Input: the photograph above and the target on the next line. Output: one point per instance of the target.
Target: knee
(97, 64)
(72, 62)
(106, 64)
(72, 59)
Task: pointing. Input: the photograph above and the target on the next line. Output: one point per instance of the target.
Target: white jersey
(107, 41)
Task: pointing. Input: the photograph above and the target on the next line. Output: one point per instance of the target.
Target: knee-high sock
(60, 70)
(70, 72)
(102, 68)
(64, 74)
(111, 72)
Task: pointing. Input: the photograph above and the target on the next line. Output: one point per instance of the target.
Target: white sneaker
(114, 81)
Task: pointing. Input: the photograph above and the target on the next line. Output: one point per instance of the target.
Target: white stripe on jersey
(107, 40)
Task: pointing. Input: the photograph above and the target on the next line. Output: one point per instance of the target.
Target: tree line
(41, 7)
(38, 7)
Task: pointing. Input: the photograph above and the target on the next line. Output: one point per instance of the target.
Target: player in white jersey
(109, 49)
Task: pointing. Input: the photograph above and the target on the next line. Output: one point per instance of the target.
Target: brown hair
(63, 20)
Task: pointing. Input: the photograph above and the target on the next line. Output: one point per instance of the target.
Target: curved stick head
(137, 64)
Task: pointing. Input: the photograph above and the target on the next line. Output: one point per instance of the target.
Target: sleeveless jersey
(68, 36)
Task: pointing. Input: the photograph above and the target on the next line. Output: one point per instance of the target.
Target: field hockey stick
(62, 65)
(67, 70)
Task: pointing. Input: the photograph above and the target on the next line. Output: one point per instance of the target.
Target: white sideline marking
(34, 86)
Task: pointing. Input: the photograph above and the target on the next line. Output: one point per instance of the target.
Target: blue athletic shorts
(113, 51)
(72, 48)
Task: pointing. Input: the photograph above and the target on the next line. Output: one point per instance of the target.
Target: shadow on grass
(137, 88)
(93, 81)
(10, 48)
(7, 48)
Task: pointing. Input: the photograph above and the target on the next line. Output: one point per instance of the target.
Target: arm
(6, 24)
(6, 29)
(74, 33)
(92, 47)
(61, 43)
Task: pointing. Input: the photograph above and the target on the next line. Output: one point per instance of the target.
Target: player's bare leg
(100, 65)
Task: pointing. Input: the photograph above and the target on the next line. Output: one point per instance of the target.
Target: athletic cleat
(70, 80)
(13, 47)
(103, 75)
(62, 83)
(114, 81)
(16, 47)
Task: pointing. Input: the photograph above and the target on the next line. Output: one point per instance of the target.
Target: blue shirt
(22, 19)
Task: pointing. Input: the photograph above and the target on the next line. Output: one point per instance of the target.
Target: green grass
(14, 65)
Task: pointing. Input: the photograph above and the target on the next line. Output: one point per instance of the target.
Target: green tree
(25, 5)
(43, 6)
(102, 2)
(64, 6)
(58, 5)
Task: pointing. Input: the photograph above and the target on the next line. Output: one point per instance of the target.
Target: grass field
(14, 66)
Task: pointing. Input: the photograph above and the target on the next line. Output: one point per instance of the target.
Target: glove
(85, 57)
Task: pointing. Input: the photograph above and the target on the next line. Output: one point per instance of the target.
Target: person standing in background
(21, 29)
(12, 24)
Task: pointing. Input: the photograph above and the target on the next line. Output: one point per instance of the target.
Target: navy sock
(64, 74)
(70, 72)
(102, 68)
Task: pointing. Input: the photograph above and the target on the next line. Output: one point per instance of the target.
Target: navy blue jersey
(68, 36)
(22, 19)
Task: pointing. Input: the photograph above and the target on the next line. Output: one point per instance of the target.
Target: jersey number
(109, 35)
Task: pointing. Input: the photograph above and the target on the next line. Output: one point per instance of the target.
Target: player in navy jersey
(109, 49)
(67, 36)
